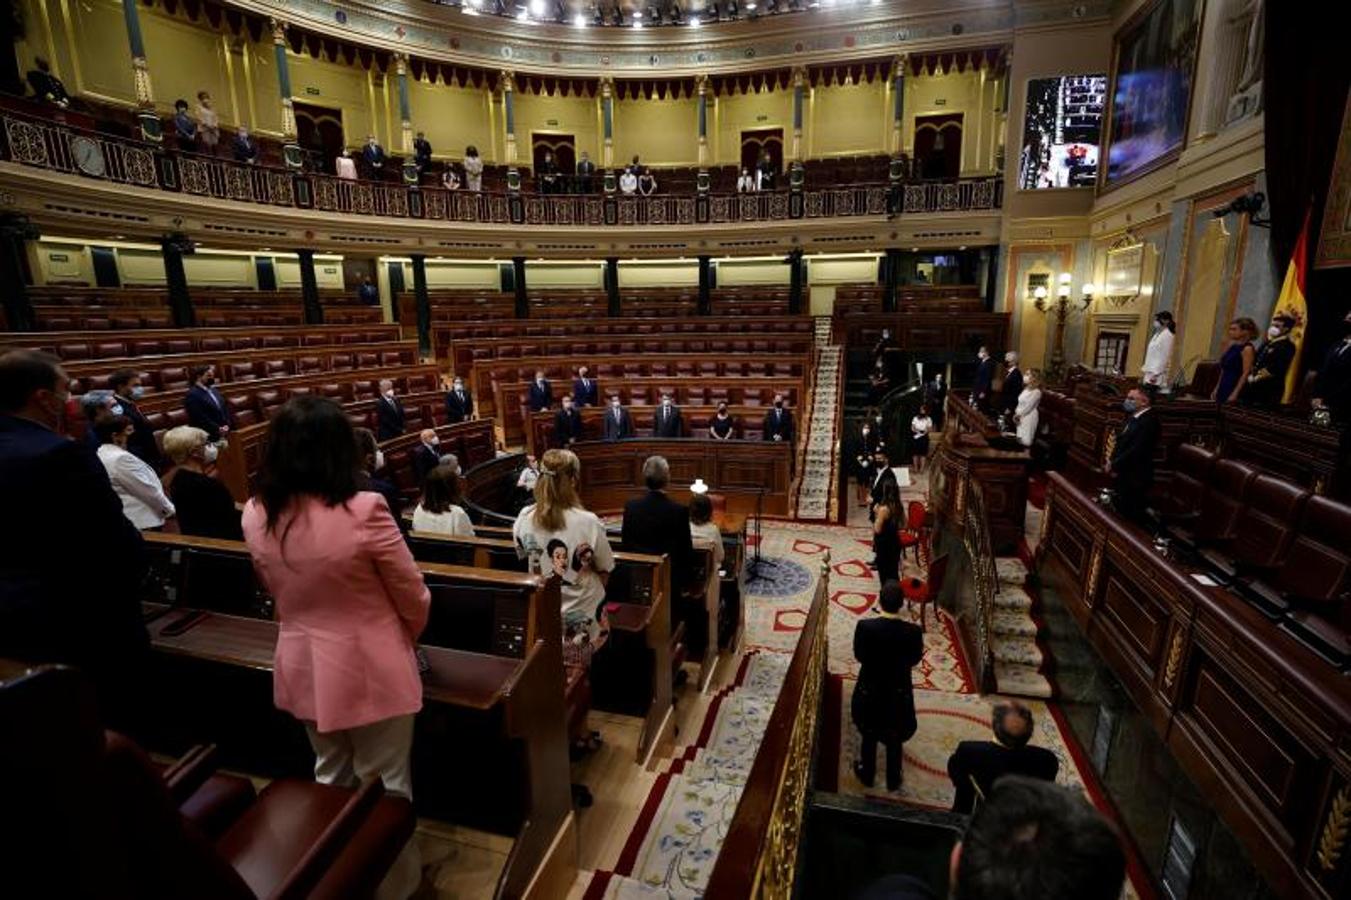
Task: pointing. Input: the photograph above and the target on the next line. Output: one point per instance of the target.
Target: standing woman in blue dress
(1236, 362)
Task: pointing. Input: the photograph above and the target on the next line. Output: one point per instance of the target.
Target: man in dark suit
(427, 455)
(666, 422)
(654, 523)
(245, 148)
(567, 425)
(1132, 463)
(883, 706)
(459, 403)
(618, 422)
(374, 155)
(778, 424)
(1265, 388)
(205, 406)
(422, 152)
(126, 386)
(1013, 384)
(984, 383)
(584, 390)
(882, 466)
(936, 395)
(541, 393)
(1332, 385)
(389, 417)
(52, 608)
(975, 765)
(586, 170)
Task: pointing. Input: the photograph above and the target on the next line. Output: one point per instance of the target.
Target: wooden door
(756, 142)
(938, 145)
(562, 146)
(319, 133)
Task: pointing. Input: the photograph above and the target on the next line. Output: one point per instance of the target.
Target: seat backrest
(1267, 522)
(1224, 499)
(1317, 565)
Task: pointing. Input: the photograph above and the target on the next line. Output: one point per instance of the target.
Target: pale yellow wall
(825, 270)
(98, 32)
(137, 266)
(564, 276)
(847, 120)
(947, 94)
(259, 94)
(553, 116)
(67, 263)
(344, 88)
(673, 274)
(747, 112)
(452, 118)
(733, 272)
(662, 132)
(451, 273)
(70, 260)
(327, 271)
(184, 59)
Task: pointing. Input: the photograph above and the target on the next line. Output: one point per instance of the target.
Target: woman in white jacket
(144, 502)
(1025, 414)
(1159, 353)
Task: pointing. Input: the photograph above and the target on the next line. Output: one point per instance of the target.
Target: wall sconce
(1062, 306)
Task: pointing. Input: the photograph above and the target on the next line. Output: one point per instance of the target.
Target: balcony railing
(61, 148)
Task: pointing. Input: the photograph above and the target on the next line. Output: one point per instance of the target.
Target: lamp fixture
(1062, 306)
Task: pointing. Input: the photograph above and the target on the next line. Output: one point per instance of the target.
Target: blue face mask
(1129, 405)
(137, 392)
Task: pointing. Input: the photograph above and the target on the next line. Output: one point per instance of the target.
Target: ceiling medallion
(556, 57)
(750, 53)
(798, 47)
(341, 17)
(849, 40)
(507, 53)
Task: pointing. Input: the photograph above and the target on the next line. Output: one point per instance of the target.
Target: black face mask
(209, 380)
(778, 404)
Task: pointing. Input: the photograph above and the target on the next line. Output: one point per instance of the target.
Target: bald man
(427, 455)
(389, 415)
(976, 765)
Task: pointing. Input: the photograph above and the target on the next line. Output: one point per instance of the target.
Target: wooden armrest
(301, 880)
(630, 617)
(189, 772)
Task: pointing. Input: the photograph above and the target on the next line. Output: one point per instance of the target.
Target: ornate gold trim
(1335, 829)
(1108, 444)
(1094, 567)
(1174, 663)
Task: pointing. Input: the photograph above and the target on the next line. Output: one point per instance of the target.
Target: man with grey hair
(654, 523)
(1013, 383)
(388, 412)
(427, 455)
(975, 765)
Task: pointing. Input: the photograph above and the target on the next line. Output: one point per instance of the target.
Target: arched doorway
(756, 142)
(319, 133)
(938, 145)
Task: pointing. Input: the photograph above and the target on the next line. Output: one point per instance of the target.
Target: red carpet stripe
(628, 858)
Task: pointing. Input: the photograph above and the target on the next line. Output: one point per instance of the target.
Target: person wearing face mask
(1131, 467)
(722, 425)
(369, 478)
(459, 402)
(1265, 388)
(427, 454)
(778, 425)
(584, 390)
(567, 424)
(1013, 383)
(884, 343)
(95, 406)
(935, 396)
(541, 394)
(389, 416)
(50, 610)
(144, 502)
(205, 406)
(1159, 353)
(374, 155)
(666, 423)
(205, 507)
(618, 422)
(1332, 386)
(984, 382)
(869, 443)
(126, 387)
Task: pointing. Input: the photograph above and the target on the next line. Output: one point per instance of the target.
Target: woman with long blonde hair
(584, 560)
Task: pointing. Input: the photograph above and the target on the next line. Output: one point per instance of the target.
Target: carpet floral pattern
(817, 484)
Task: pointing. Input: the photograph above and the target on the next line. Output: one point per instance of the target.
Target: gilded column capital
(799, 76)
(701, 84)
(900, 65)
(507, 81)
(278, 31)
(400, 63)
(607, 86)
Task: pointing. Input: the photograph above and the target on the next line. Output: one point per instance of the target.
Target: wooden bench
(942, 334)
(748, 423)
(74, 346)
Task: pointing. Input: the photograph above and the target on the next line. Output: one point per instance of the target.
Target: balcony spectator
(374, 155)
(450, 179)
(473, 169)
(764, 173)
(208, 123)
(647, 183)
(628, 182)
(46, 86)
(245, 147)
(422, 152)
(635, 166)
(185, 127)
(586, 171)
(345, 166)
(746, 183)
(548, 174)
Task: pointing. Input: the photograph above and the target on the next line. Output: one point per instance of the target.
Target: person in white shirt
(1025, 414)
(746, 183)
(559, 537)
(473, 169)
(1159, 353)
(439, 511)
(345, 166)
(144, 502)
(703, 530)
(920, 426)
(628, 182)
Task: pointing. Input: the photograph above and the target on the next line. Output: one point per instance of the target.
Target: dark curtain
(1305, 80)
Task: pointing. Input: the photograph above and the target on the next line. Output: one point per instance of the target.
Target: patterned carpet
(817, 484)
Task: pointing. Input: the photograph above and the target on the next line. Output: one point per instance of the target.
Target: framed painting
(1334, 240)
(1153, 71)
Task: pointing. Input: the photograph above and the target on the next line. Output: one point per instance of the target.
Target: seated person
(721, 426)
(440, 510)
(205, 507)
(975, 765)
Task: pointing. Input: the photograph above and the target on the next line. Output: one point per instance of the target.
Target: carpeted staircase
(813, 501)
(1019, 658)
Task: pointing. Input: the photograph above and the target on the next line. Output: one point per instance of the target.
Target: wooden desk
(966, 454)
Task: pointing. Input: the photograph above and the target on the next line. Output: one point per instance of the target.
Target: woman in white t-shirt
(628, 182)
(920, 426)
(561, 538)
(439, 511)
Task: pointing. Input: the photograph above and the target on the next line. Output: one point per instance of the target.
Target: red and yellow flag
(1291, 303)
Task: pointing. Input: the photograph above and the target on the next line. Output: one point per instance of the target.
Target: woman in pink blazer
(351, 604)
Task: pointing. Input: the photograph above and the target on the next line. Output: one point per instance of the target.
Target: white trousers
(379, 750)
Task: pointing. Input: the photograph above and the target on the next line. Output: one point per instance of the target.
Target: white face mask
(389, 394)
(1274, 331)
(379, 459)
(434, 442)
(209, 453)
(459, 386)
(116, 409)
(615, 405)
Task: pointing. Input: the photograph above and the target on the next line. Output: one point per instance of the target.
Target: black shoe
(858, 773)
(581, 796)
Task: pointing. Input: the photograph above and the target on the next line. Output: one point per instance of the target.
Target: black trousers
(868, 764)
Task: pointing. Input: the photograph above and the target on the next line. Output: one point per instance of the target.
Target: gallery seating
(73, 346)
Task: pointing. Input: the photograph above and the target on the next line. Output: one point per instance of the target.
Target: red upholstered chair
(925, 591)
(916, 530)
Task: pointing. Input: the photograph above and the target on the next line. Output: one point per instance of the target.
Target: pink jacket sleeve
(395, 565)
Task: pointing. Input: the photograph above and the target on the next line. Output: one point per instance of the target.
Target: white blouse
(144, 502)
(1158, 357)
(921, 425)
(454, 522)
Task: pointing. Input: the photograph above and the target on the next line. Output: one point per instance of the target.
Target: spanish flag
(1291, 303)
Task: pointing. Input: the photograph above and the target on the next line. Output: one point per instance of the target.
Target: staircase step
(1020, 651)
(1022, 681)
(1011, 569)
(1011, 622)
(1012, 597)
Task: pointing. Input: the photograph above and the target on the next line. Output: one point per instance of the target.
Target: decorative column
(795, 282)
(424, 304)
(290, 149)
(522, 295)
(898, 70)
(172, 247)
(615, 303)
(508, 82)
(15, 232)
(405, 114)
(1002, 126)
(309, 289)
(702, 184)
(607, 128)
(799, 92)
(705, 285)
(151, 128)
(892, 261)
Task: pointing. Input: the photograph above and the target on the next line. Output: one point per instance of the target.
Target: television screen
(1061, 130)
